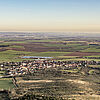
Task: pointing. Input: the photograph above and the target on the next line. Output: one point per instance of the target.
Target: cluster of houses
(31, 66)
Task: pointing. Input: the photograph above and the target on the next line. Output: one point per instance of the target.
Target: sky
(50, 15)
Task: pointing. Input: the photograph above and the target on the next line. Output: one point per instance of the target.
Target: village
(39, 75)
(26, 67)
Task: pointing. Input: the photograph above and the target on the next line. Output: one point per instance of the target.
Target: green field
(12, 55)
(43, 40)
(77, 59)
(16, 46)
(6, 83)
(91, 50)
(51, 54)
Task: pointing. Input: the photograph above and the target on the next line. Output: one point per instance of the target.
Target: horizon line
(54, 31)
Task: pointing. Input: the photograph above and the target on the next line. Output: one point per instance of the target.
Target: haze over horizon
(50, 15)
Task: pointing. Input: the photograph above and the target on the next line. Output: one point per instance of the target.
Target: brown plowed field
(37, 47)
(81, 54)
(3, 49)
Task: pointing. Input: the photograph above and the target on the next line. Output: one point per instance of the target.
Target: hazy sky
(50, 15)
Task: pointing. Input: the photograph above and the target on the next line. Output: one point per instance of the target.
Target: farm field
(6, 83)
(11, 50)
